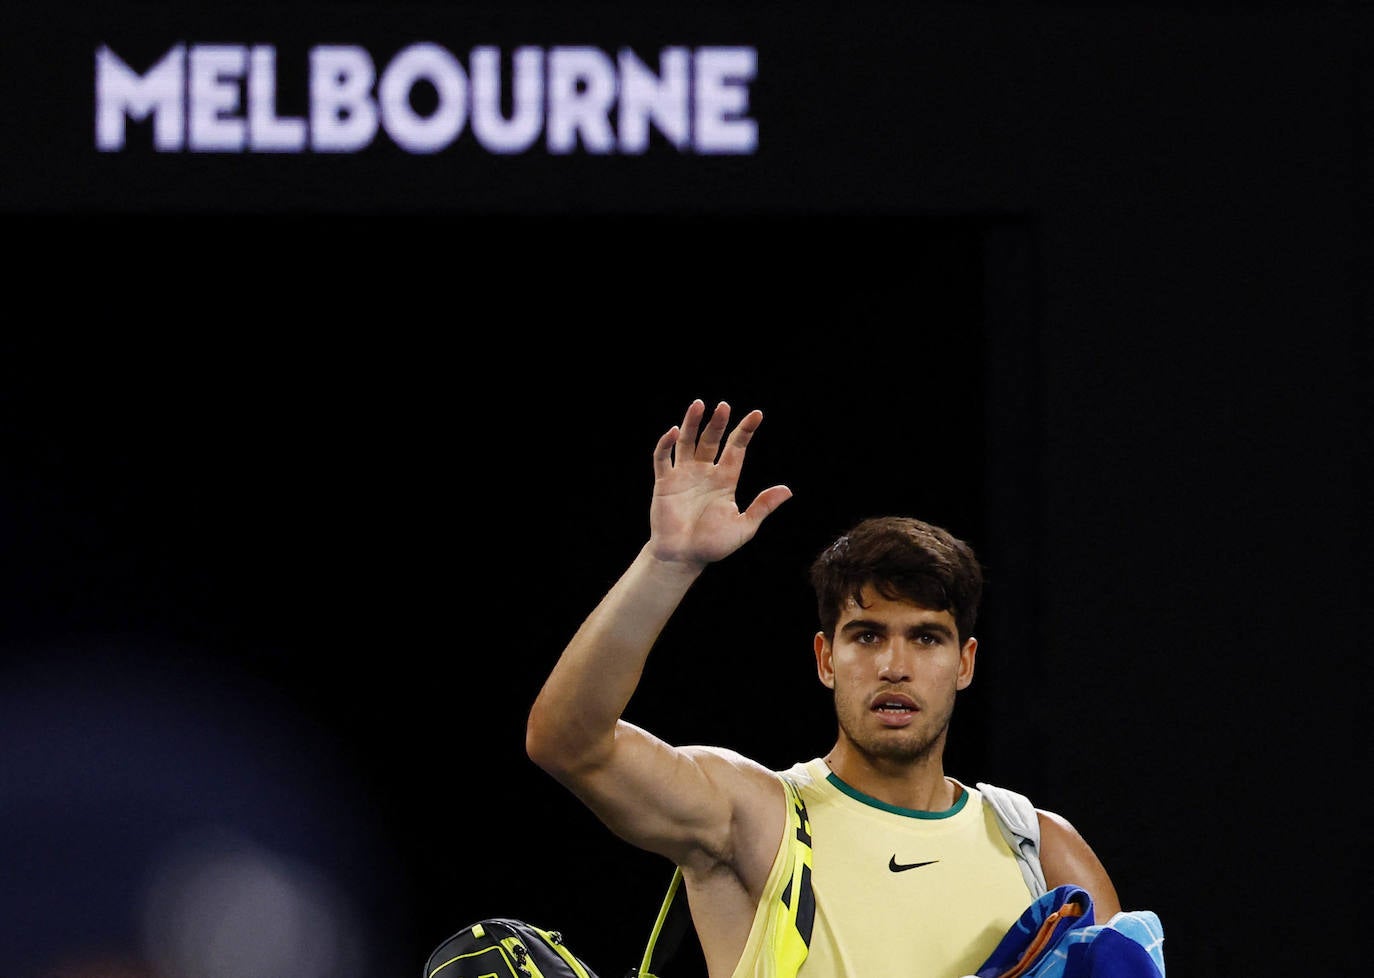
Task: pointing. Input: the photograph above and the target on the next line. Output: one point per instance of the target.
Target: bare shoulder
(752, 789)
(758, 803)
(726, 757)
(1067, 859)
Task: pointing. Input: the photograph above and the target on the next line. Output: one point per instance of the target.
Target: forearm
(572, 723)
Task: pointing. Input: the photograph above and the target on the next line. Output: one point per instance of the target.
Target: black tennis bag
(503, 947)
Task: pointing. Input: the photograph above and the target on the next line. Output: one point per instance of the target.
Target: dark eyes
(872, 638)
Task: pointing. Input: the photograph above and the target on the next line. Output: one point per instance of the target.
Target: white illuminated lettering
(660, 98)
(268, 133)
(493, 130)
(122, 93)
(721, 97)
(223, 98)
(343, 117)
(410, 130)
(213, 73)
(581, 93)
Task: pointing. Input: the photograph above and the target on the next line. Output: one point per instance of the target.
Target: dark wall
(313, 464)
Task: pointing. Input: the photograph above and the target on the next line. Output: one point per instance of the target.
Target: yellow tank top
(889, 892)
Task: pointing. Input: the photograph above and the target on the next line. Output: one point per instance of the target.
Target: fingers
(705, 447)
(709, 445)
(663, 452)
(687, 431)
(733, 455)
(690, 440)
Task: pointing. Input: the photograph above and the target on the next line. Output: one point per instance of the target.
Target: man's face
(894, 667)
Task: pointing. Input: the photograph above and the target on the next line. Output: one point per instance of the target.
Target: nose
(894, 663)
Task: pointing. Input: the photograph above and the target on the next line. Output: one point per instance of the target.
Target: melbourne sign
(223, 98)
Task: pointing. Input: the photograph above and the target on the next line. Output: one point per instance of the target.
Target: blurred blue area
(147, 806)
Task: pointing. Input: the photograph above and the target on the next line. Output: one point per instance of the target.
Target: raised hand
(694, 518)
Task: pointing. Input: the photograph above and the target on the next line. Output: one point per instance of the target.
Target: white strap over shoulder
(1021, 828)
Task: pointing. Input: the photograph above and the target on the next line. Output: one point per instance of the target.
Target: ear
(825, 660)
(966, 657)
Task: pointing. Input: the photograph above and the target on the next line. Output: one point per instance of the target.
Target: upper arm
(1067, 859)
(694, 805)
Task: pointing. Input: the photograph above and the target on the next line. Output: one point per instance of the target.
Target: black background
(313, 464)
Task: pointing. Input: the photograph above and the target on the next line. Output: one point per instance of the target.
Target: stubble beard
(918, 743)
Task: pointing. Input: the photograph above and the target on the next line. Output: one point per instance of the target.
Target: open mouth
(894, 707)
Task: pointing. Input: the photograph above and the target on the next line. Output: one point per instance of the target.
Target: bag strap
(799, 905)
(1020, 826)
(674, 917)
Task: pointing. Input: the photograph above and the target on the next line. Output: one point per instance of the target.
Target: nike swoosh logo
(897, 867)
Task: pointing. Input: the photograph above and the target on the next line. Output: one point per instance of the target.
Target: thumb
(766, 503)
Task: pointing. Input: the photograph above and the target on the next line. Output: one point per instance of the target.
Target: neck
(918, 784)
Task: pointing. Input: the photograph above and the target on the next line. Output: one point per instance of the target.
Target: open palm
(694, 517)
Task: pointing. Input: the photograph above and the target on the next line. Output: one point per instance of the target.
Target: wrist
(668, 567)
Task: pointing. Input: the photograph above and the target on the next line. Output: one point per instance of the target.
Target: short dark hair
(902, 558)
